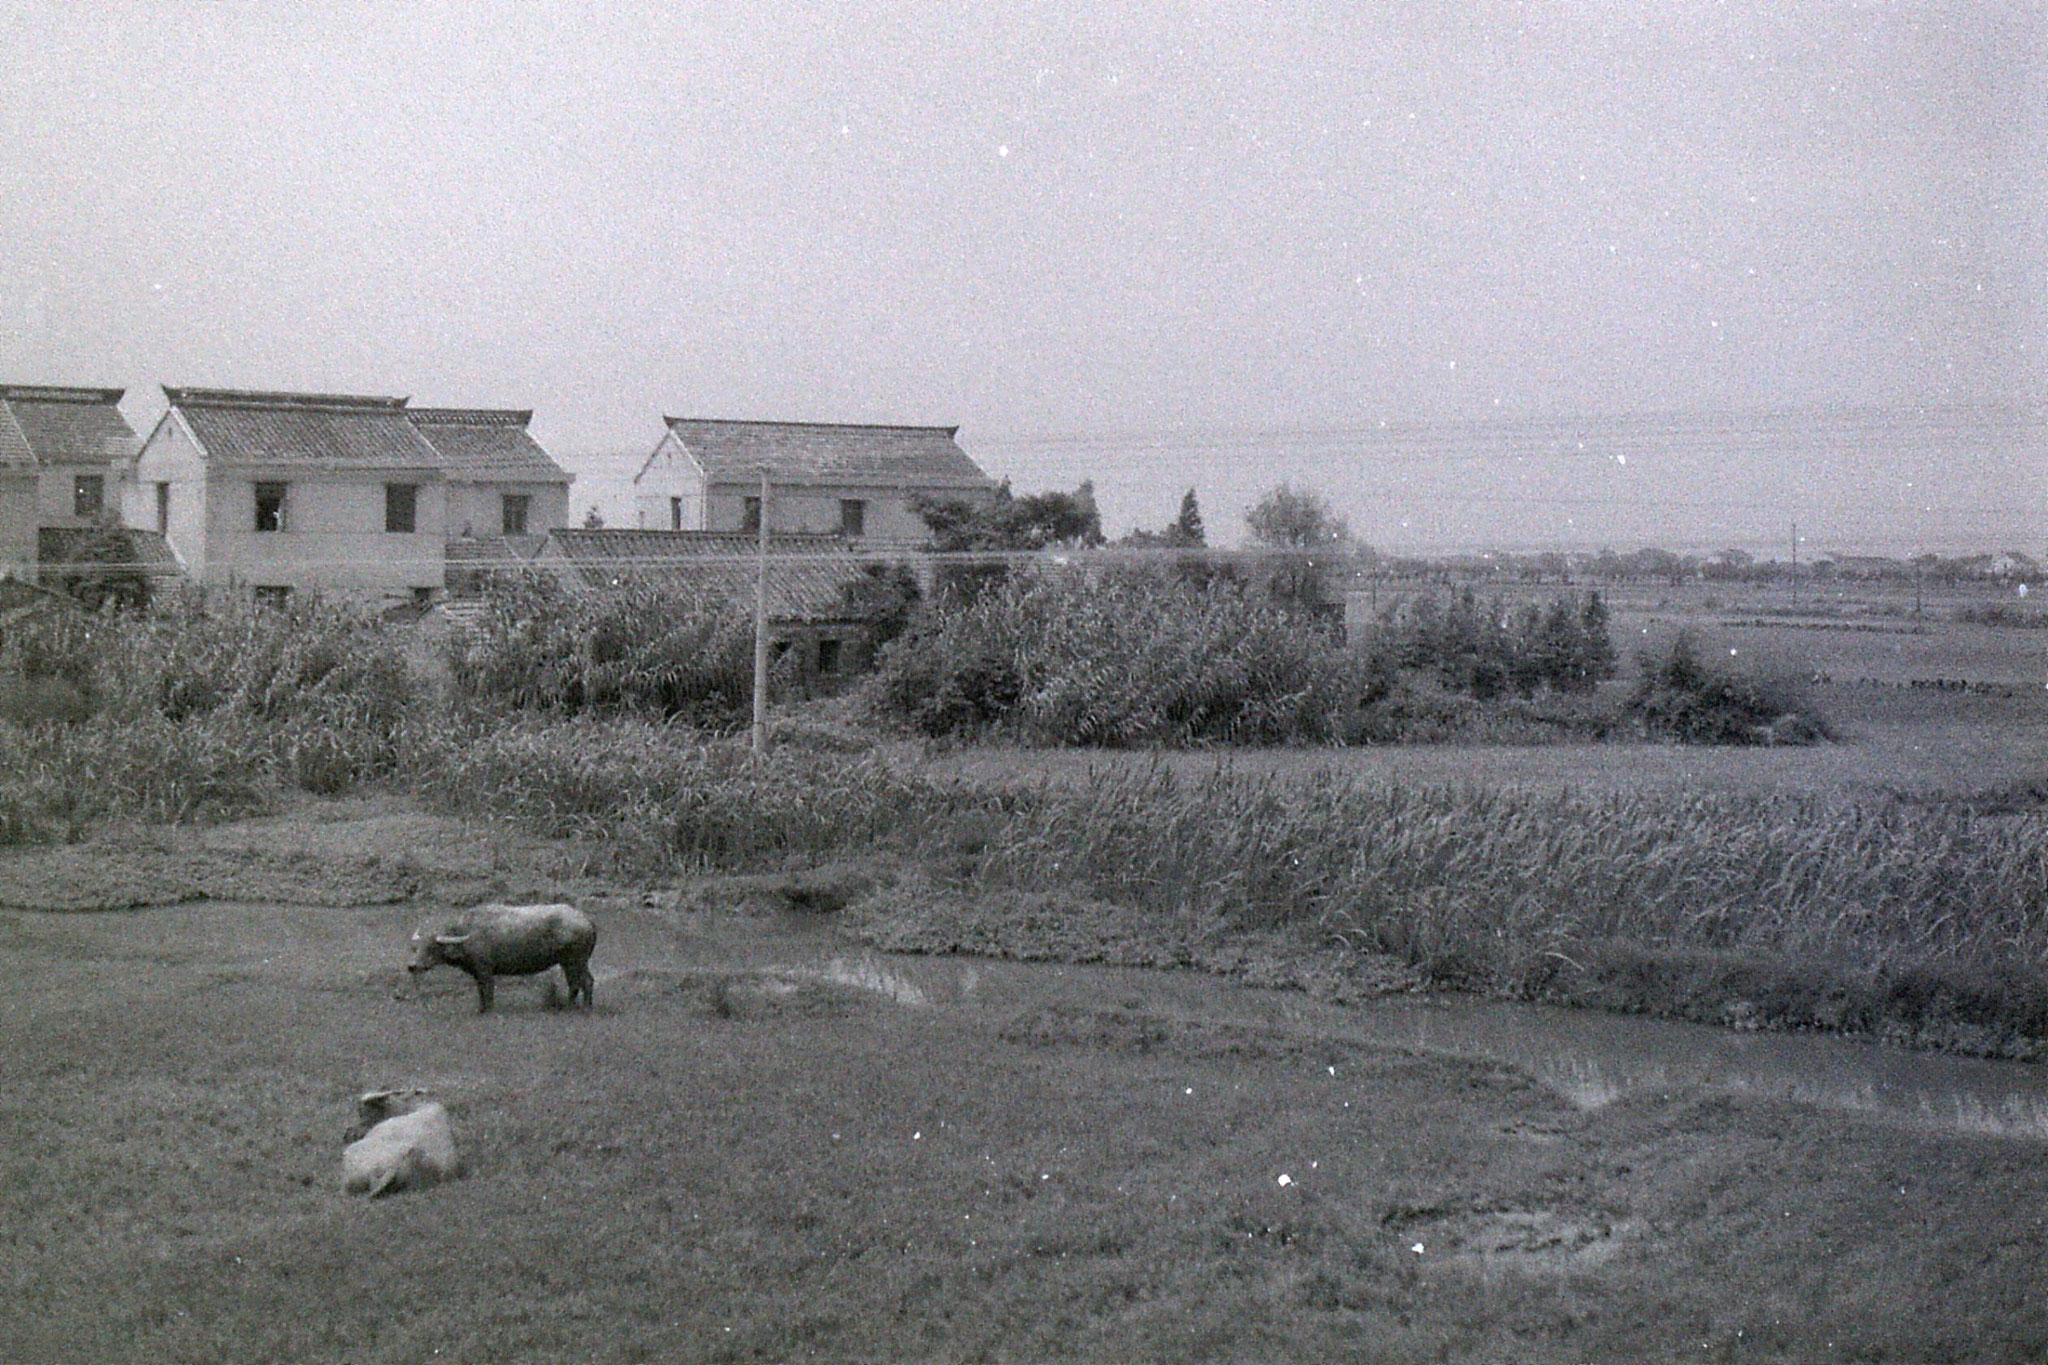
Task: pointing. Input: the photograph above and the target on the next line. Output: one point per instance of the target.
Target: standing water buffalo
(511, 940)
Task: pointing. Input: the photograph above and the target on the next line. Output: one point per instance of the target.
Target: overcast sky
(1080, 236)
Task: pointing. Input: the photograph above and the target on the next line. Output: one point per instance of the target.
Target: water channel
(1591, 1058)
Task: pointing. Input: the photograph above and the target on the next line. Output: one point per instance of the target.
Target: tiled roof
(490, 551)
(487, 444)
(828, 453)
(808, 575)
(14, 449)
(147, 550)
(238, 426)
(56, 425)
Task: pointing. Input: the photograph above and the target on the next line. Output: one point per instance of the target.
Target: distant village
(274, 493)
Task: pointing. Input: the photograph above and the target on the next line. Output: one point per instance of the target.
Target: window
(401, 507)
(853, 517)
(828, 656)
(675, 514)
(88, 495)
(515, 513)
(270, 506)
(272, 597)
(750, 515)
(163, 507)
(423, 598)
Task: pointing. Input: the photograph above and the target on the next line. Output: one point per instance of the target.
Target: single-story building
(813, 583)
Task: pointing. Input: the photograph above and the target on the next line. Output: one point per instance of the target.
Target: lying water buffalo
(410, 1145)
(511, 940)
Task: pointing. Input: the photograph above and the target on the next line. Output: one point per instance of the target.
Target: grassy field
(769, 1143)
(1891, 737)
(1890, 741)
(772, 1141)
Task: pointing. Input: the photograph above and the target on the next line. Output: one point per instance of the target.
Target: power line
(1770, 426)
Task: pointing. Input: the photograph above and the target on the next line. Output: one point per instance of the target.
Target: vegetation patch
(1678, 698)
(1120, 660)
(640, 648)
(1976, 1010)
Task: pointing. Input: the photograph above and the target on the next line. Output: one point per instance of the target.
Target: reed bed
(665, 796)
(57, 782)
(1490, 887)
(1495, 880)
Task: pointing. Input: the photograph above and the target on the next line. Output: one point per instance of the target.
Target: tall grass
(664, 795)
(57, 781)
(1502, 876)
(1486, 887)
(131, 707)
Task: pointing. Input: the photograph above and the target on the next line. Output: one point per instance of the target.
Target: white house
(292, 491)
(854, 481)
(82, 447)
(499, 480)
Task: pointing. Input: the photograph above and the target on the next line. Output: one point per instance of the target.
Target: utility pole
(1795, 562)
(761, 627)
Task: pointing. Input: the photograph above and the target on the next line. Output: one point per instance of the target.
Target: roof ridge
(723, 535)
(273, 398)
(672, 422)
(480, 417)
(59, 393)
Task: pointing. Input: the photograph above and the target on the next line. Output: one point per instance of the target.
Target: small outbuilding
(815, 584)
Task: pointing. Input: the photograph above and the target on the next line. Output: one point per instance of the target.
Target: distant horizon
(1983, 482)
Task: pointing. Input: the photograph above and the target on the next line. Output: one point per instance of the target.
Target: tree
(1006, 522)
(1302, 524)
(1186, 531)
(885, 598)
(1288, 520)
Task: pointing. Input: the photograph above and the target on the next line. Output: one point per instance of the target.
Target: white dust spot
(1285, 1181)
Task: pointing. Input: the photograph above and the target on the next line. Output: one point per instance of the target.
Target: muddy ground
(772, 1142)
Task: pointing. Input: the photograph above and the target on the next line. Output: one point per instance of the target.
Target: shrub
(104, 571)
(640, 648)
(1679, 698)
(1119, 659)
(1484, 650)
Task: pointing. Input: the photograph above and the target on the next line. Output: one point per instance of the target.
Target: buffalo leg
(484, 989)
(580, 981)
